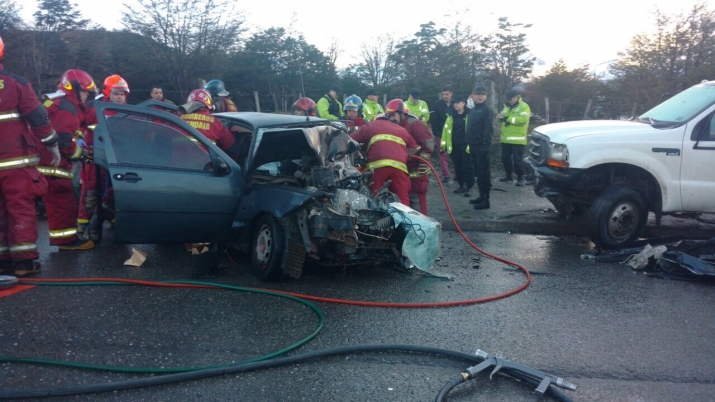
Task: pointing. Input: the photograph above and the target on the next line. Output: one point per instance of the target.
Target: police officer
(25, 129)
(480, 130)
(514, 119)
(370, 108)
(328, 107)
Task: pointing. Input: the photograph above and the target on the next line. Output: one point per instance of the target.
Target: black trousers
(462, 166)
(481, 162)
(512, 156)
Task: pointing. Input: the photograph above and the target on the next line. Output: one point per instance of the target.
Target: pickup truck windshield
(683, 106)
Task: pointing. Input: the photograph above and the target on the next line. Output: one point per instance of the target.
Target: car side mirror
(220, 167)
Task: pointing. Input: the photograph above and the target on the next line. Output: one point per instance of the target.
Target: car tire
(617, 216)
(267, 248)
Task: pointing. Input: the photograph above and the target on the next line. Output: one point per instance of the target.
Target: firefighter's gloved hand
(81, 142)
(87, 155)
(56, 157)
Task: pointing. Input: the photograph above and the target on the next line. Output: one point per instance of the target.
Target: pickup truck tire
(617, 216)
(267, 247)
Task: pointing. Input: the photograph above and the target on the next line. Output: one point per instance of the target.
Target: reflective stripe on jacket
(419, 109)
(516, 124)
(388, 144)
(370, 110)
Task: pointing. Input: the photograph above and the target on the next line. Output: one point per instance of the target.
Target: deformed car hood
(322, 144)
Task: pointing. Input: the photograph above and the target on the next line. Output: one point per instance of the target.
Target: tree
(420, 60)
(10, 16)
(189, 39)
(378, 69)
(568, 91)
(283, 66)
(679, 54)
(58, 16)
(507, 61)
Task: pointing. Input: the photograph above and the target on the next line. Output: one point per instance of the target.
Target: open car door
(170, 183)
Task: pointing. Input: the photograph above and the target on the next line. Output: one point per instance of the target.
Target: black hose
(448, 387)
(277, 362)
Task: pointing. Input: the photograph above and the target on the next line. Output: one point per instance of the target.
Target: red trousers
(18, 220)
(61, 208)
(400, 184)
(418, 193)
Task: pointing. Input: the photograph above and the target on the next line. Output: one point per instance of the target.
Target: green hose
(154, 370)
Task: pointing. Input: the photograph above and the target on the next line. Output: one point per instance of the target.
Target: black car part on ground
(515, 370)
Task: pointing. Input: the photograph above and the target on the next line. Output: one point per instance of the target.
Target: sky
(579, 32)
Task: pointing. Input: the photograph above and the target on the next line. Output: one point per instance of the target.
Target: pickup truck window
(683, 106)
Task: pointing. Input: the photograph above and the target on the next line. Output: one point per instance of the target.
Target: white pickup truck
(617, 171)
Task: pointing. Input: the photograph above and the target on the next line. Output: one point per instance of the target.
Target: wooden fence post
(258, 103)
(588, 108)
(546, 108)
(633, 111)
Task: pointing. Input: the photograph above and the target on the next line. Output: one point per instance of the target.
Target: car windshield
(683, 106)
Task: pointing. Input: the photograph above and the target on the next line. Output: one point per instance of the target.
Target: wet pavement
(617, 334)
(518, 210)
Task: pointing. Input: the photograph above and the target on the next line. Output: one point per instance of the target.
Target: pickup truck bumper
(551, 182)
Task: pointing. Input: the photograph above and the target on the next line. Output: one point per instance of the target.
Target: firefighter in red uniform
(24, 129)
(388, 148)
(115, 90)
(352, 112)
(304, 107)
(197, 112)
(67, 114)
(418, 170)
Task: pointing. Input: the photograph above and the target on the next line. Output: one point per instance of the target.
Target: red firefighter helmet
(76, 81)
(306, 105)
(2, 48)
(115, 83)
(396, 105)
(201, 95)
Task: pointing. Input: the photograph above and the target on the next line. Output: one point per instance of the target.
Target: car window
(144, 141)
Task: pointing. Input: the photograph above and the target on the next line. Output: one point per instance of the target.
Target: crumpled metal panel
(422, 244)
(347, 201)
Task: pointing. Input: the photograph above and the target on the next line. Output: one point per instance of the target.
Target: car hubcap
(264, 244)
(623, 220)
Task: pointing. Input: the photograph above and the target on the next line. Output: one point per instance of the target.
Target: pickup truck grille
(538, 149)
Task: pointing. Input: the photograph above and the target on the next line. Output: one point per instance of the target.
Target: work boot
(460, 190)
(468, 192)
(506, 179)
(520, 182)
(445, 180)
(78, 244)
(25, 268)
(477, 200)
(484, 203)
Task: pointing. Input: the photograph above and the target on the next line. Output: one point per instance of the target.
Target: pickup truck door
(170, 183)
(697, 176)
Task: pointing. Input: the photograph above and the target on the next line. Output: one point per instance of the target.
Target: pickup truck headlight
(558, 156)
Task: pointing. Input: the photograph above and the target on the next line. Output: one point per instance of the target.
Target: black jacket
(480, 128)
(440, 110)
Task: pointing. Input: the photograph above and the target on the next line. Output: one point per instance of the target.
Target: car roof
(258, 119)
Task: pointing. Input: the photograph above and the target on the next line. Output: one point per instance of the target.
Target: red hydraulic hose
(347, 301)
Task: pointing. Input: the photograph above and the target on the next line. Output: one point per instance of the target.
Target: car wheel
(267, 247)
(617, 216)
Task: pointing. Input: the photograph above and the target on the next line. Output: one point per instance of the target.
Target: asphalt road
(619, 335)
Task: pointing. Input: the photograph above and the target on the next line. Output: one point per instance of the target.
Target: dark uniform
(480, 130)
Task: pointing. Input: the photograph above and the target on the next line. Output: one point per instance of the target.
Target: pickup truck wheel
(617, 216)
(267, 247)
